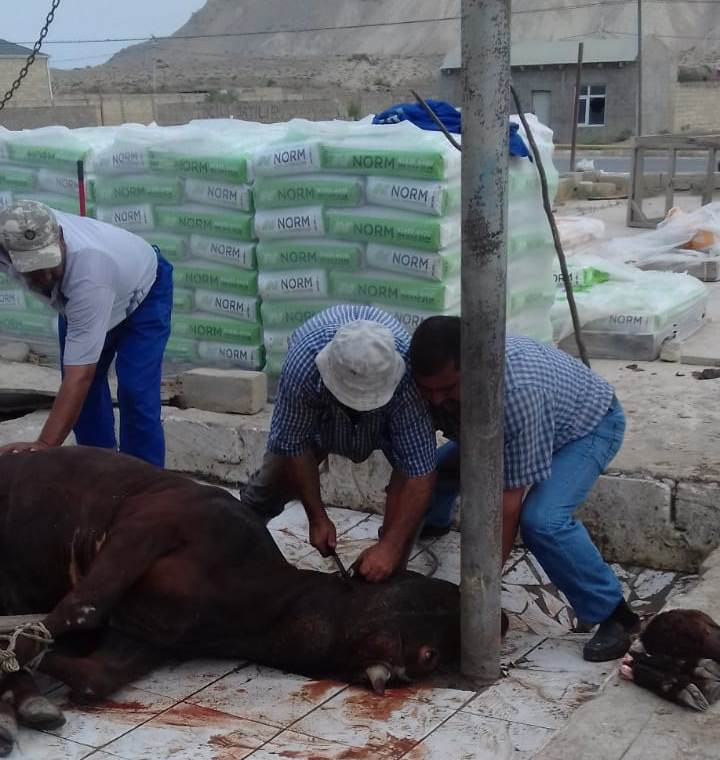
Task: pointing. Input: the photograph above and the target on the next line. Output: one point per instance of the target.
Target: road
(623, 163)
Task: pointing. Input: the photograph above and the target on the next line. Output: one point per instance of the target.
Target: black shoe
(612, 638)
(434, 531)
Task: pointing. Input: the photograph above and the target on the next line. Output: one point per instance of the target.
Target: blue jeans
(561, 544)
(138, 342)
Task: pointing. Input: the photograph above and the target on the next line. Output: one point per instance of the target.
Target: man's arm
(406, 503)
(512, 500)
(64, 413)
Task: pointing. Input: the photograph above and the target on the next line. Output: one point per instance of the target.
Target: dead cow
(137, 565)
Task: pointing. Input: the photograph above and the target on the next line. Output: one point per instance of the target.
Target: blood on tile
(186, 714)
(316, 690)
(365, 704)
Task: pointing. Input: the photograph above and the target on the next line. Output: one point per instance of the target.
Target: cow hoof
(39, 712)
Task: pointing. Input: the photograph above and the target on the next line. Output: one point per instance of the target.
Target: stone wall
(35, 88)
(33, 118)
(697, 107)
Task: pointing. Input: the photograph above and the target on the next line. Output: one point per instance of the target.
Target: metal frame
(709, 143)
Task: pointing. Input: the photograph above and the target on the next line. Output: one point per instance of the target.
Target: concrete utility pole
(576, 103)
(639, 68)
(486, 90)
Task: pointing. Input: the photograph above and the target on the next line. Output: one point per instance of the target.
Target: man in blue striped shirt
(563, 426)
(345, 389)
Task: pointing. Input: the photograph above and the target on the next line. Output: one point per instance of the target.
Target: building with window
(36, 88)
(544, 72)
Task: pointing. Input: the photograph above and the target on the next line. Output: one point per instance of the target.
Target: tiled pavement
(218, 710)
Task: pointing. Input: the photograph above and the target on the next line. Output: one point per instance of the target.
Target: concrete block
(356, 486)
(697, 515)
(14, 352)
(233, 391)
(630, 520)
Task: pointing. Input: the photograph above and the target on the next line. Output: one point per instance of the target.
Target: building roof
(11, 50)
(548, 52)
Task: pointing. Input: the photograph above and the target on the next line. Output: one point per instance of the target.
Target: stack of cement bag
(186, 190)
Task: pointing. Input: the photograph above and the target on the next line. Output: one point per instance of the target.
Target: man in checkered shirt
(345, 389)
(563, 426)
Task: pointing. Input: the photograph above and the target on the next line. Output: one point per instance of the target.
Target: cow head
(405, 629)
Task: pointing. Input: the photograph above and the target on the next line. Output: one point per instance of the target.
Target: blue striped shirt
(307, 415)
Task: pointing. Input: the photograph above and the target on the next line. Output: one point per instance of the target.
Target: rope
(32, 631)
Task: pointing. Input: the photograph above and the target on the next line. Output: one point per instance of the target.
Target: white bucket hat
(360, 366)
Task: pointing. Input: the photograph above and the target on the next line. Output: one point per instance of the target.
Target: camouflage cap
(31, 235)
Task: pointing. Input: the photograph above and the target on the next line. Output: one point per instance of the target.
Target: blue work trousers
(137, 344)
(560, 543)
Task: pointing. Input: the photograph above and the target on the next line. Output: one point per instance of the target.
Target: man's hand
(378, 562)
(23, 446)
(322, 535)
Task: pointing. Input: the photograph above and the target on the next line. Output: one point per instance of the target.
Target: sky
(93, 19)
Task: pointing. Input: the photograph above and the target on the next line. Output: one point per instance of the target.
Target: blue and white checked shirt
(306, 414)
(550, 400)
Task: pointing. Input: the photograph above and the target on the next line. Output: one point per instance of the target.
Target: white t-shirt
(108, 273)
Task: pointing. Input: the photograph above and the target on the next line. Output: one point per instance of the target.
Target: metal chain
(31, 58)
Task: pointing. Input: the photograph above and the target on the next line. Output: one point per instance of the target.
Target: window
(591, 106)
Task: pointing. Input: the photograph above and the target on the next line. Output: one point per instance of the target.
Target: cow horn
(379, 675)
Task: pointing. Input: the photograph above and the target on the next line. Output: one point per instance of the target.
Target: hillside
(397, 54)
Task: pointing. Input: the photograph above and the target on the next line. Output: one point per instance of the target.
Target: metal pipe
(578, 85)
(639, 69)
(486, 88)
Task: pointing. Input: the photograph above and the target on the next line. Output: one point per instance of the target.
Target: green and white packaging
(422, 161)
(309, 190)
(12, 299)
(211, 276)
(50, 181)
(6, 199)
(308, 283)
(17, 178)
(231, 252)
(208, 192)
(434, 198)
(222, 168)
(394, 290)
(23, 148)
(115, 191)
(62, 203)
(183, 300)
(227, 304)
(199, 326)
(278, 341)
(413, 263)
(27, 323)
(181, 350)
(308, 253)
(411, 319)
(286, 158)
(285, 315)
(274, 363)
(199, 220)
(246, 357)
(138, 218)
(172, 247)
(305, 221)
(374, 224)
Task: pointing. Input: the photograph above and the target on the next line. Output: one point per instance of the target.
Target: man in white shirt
(113, 293)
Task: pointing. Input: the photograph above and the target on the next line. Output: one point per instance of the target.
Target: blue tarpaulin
(449, 116)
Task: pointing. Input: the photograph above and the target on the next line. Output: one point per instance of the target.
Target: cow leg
(8, 726)
(118, 661)
(32, 708)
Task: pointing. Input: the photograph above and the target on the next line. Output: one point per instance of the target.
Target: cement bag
(61, 183)
(183, 300)
(231, 252)
(208, 275)
(274, 363)
(308, 283)
(245, 357)
(238, 197)
(281, 159)
(173, 247)
(284, 315)
(59, 202)
(524, 243)
(519, 301)
(13, 299)
(394, 290)
(17, 179)
(181, 350)
(434, 198)
(138, 217)
(578, 232)
(49, 147)
(28, 324)
(374, 224)
(136, 189)
(199, 159)
(309, 253)
(306, 221)
(127, 153)
(411, 319)
(199, 326)
(697, 230)
(531, 273)
(413, 263)
(228, 304)
(201, 220)
(277, 341)
(6, 199)
(308, 190)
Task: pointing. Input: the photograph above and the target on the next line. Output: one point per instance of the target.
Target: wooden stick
(437, 121)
